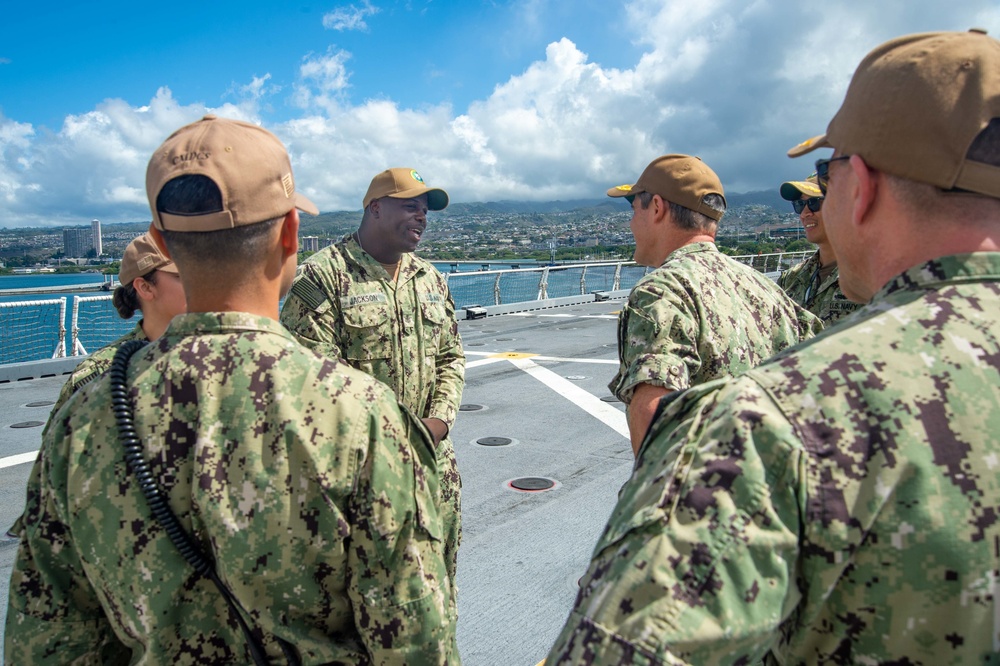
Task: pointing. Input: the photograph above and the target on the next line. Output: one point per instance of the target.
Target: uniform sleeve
(311, 314)
(397, 580)
(54, 615)
(658, 338)
(449, 369)
(697, 563)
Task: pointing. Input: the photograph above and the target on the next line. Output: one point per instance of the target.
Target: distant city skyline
(492, 100)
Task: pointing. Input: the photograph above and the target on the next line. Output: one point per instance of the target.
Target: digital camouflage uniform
(701, 316)
(344, 305)
(836, 505)
(95, 365)
(311, 489)
(826, 300)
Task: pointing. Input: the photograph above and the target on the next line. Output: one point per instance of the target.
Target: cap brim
(303, 204)
(794, 189)
(809, 145)
(621, 191)
(437, 199)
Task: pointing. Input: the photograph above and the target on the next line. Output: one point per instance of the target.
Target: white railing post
(543, 285)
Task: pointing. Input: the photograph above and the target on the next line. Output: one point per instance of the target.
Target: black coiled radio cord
(157, 501)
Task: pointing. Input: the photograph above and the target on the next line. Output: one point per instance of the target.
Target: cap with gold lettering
(249, 165)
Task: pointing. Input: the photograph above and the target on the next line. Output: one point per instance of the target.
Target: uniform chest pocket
(435, 319)
(367, 327)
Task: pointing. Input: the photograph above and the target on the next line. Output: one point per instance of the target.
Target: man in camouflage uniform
(839, 503)
(700, 315)
(312, 490)
(369, 301)
(813, 283)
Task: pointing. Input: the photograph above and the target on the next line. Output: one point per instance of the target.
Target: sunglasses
(814, 204)
(823, 171)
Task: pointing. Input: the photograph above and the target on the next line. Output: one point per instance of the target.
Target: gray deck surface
(539, 377)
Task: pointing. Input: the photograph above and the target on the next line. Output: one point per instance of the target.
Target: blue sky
(509, 99)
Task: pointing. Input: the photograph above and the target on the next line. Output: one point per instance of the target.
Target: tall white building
(95, 229)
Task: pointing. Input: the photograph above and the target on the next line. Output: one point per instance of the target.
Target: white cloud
(349, 17)
(733, 81)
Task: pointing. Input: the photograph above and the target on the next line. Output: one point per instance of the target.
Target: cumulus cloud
(736, 82)
(349, 17)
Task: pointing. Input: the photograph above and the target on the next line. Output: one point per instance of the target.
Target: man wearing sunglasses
(839, 503)
(813, 283)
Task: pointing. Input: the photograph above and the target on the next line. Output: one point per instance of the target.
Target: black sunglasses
(823, 171)
(814, 203)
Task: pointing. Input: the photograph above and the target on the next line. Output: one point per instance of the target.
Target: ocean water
(30, 333)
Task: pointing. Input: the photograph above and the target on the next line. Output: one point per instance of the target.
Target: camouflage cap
(404, 183)
(680, 179)
(914, 107)
(142, 256)
(248, 163)
(794, 189)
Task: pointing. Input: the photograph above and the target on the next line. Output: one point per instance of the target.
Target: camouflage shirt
(836, 505)
(95, 365)
(701, 316)
(301, 477)
(344, 305)
(825, 300)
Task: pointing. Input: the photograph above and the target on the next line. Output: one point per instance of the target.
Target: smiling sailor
(368, 300)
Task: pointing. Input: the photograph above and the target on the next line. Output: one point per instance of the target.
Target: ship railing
(37, 330)
(486, 288)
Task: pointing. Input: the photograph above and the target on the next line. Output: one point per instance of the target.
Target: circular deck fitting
(494, 441)
(566, 328)
(475, 344)
(41, 403)
(575, 378)
(28, 424)
(532, 484)
(609, 398)
(504, 339)
(469, 407)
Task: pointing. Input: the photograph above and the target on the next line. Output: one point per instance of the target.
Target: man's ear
(290, 233)
(158, 239)
(864, 189)
(660, 208)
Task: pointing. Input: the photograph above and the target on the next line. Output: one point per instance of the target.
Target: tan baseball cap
(914, 107)
(142, 256)
(680, 179)
(793, 190)
(248, 163)
(404, 183)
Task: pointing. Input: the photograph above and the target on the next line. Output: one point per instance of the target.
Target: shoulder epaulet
(309, 292)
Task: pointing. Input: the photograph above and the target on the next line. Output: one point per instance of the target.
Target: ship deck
(536, 406)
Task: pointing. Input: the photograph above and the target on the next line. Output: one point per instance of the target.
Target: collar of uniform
(954, 268)
(200, 323)
(407, 267)
(691, 248)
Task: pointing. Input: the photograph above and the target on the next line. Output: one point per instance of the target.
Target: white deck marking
(19, 459)
(610, 416)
